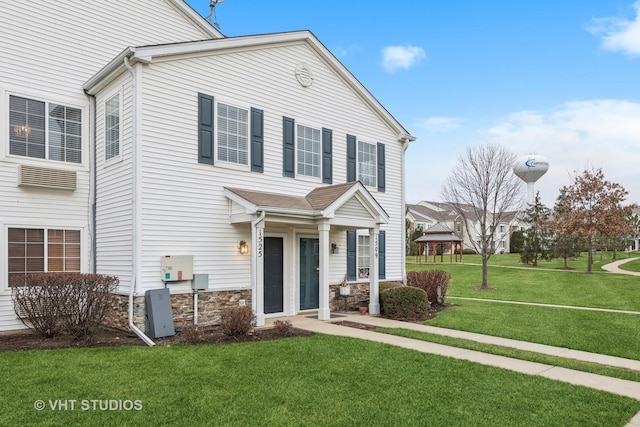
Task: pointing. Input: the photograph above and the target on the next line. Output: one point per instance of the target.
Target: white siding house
(200, 145)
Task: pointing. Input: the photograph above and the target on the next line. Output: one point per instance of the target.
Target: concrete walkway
(585, 379)
(614, 267)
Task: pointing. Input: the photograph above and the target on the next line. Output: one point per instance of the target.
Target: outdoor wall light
(334, 248)
(243, 247)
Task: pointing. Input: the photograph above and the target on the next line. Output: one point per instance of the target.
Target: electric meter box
(177, 267)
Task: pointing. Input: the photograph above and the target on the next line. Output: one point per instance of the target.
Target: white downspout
(135, 205)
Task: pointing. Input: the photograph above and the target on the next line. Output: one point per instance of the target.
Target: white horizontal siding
(114, 190)
(63, 44)
(8, 319)
(185, 211)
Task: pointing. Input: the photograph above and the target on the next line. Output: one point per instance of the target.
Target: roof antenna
(212, 7)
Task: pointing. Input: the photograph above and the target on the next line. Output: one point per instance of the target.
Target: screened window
(367, 163)
(112, 127)
(308, 151)
(363, 256)
(44, 130)
(233, 134)
(41, 250)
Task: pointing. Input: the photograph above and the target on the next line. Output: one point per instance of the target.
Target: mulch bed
(117, 338)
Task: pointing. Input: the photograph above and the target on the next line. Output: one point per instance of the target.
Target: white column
(257, 253)
(374, 292)
(323, 264)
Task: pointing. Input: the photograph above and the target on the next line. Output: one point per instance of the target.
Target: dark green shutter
(205, 128)
(351, 158)
(381, 183)
(382, 271)
(327, 156)
(352, 246)
(288, 147)
(257, 140)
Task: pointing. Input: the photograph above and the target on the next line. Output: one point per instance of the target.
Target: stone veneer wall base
(210, 304)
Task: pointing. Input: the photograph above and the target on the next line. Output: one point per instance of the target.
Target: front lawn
(599, 289)
(320, 380)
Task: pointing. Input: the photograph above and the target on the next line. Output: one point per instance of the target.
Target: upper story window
(367, 163)
(44, 130)
(502, 228)
(36, 250)
(308, 151)
(112, 127)
(233, 134)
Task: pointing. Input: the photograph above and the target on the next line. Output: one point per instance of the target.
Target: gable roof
(438, 233)
(147, 54)
(321, 202)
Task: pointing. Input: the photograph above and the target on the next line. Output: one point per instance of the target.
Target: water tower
(529, 169)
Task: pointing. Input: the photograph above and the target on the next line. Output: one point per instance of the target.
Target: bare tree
(483, 189)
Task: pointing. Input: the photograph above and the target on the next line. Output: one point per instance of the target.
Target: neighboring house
(425, 214)
(258, 163)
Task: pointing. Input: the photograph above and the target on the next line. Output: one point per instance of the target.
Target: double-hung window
(233, 134)
(112, 127)
(44, 130)
(308, 151)
(367, 163)
(36, 250)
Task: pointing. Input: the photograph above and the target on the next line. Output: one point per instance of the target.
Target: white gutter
(136, 215)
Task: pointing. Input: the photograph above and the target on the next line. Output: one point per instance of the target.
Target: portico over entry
(302, 244)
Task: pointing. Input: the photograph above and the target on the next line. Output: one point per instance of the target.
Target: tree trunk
(485, 262)
(590, 257)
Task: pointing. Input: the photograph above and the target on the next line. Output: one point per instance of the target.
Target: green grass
(599, 289)
(313, 381)
(513, 260)
(614, 334)
(631, 265)
(622, 373)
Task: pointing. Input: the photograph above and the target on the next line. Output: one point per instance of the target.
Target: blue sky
(559, 78)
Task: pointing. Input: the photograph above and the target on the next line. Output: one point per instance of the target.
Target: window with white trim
(233, 134)
(308, 151)
(44, 130)
(367, 163)
(37, 250)
(363, 256)
(112, 127)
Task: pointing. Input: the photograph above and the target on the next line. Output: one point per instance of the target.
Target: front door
(309, 273)
(273, 275)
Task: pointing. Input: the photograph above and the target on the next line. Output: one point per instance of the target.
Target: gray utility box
(158, 322)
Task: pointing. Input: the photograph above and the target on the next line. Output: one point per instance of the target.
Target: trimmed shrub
(405, 303)
(383, 286)
(428, 281)
(192, 334)
(71, 303)
(237, 321)
(283, 328)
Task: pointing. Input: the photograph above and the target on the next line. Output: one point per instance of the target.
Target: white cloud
(574, 136)
(440, 124)
(619, 34)
(396, 58)
(577, 136)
